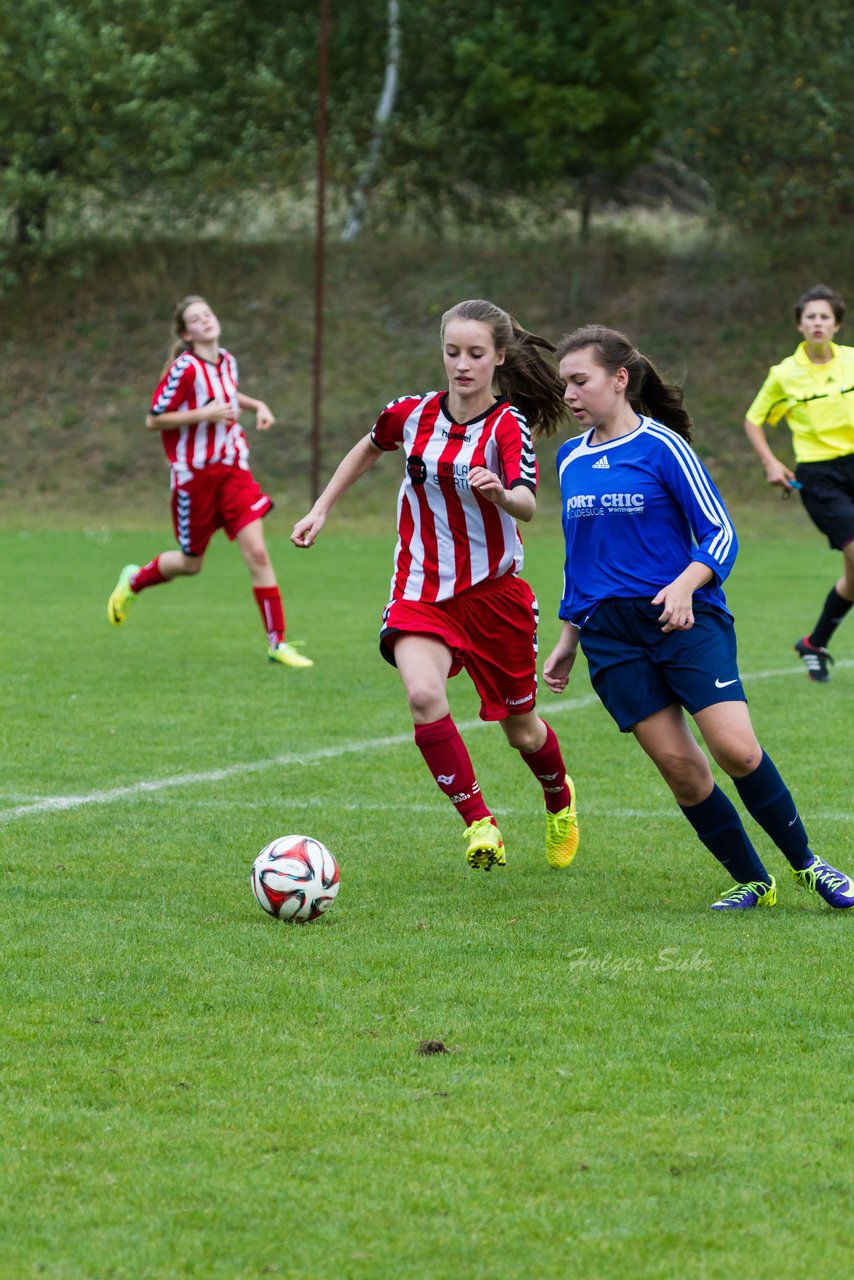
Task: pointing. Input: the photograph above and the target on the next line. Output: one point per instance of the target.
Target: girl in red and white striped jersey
(196, 408)
(456, 598)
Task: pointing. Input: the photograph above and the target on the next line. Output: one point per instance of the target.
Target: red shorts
(219, 497)
(491, 630)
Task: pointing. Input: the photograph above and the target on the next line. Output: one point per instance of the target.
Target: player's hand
(263, 417)
(677, 613)
(306, 530)
(487, 484)
(216, 412)
(557, 667)
(778, 473)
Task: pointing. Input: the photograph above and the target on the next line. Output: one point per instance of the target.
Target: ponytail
(530, 382)
(527, 378)
(646, 390)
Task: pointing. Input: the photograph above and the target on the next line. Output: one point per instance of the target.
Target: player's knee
(687, 776)
(737, 758)
(426, 702)
(259, 559)
(525, 738)
(191, 565)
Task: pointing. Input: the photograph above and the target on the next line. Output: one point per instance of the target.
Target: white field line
(436, 809)
(57, 804)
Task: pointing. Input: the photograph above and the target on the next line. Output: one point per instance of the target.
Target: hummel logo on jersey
(602, 464)
(445, 778)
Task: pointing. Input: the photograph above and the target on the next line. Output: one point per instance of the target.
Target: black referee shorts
(828, 495)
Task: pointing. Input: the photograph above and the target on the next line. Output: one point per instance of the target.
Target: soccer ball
(295, 878)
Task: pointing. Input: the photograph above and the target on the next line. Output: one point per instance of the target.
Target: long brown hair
(526, 378)
(646, 391)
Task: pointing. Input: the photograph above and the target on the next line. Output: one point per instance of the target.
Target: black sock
(721, 830)
(769, 802)
(835, 609)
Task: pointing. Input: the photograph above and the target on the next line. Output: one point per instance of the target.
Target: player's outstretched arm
(354, 464)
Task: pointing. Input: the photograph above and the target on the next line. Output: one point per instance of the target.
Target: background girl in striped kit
(196, 408)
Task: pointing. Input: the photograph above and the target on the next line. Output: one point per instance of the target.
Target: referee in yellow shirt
(813, 390)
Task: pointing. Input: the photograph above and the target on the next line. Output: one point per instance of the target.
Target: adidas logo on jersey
(602, 464)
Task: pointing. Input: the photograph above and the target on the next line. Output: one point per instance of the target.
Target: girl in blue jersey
(648, 546)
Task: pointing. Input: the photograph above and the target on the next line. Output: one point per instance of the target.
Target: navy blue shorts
(637, 669)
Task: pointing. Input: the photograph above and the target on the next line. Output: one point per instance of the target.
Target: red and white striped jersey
(450, 538)
(189, 383)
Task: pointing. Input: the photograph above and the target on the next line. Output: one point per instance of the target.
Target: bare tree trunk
(586, 214)
(385, 106)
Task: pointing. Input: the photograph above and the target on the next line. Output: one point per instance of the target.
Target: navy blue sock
(721, 830)
(769, 802)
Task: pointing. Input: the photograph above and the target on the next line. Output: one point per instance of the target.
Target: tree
(521, 100)
(122, 97)
(759, 105)
(385, 106)
(53, 80)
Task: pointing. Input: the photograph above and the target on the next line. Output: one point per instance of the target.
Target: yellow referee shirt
(813, 400)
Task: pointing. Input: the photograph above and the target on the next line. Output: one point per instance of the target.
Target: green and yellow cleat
(287, 655)
(562, 833)
(122, 597)
(485, 848)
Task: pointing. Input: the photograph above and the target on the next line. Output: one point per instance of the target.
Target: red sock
(448, 760)
(548, 767)
(269, 602)
(148, 576)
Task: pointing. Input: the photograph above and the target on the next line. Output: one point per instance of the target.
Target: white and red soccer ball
(295, 878)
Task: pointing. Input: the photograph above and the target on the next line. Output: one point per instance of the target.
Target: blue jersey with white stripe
(636, 512)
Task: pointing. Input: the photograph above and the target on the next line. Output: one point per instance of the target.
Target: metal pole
(319, 247)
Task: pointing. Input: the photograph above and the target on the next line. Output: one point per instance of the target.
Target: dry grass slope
(81, 355)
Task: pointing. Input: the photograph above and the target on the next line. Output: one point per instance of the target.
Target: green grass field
(634, 1086)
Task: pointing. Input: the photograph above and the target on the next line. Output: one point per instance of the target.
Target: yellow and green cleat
(485, 848)
(562, 833)
(122, 597)
(288, 655)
